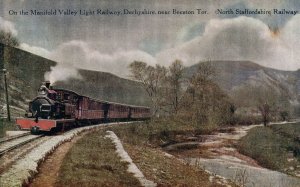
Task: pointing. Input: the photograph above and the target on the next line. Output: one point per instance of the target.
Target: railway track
(8, 138)
(15, 142)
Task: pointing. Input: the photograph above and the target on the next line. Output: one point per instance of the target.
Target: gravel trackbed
(24, 169)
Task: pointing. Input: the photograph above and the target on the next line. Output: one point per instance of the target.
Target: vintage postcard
(150, 93)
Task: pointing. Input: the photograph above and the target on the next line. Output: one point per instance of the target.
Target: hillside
(26, 73)
(106, 86)
(232, 75)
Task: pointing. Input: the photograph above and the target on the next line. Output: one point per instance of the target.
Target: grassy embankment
(94, 162)
(84, 163)
(276, 147)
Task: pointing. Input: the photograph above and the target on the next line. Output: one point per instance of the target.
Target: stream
(218, 156)
(245, 175)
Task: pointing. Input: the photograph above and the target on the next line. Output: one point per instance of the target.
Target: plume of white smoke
(75, 55)
(61, 73)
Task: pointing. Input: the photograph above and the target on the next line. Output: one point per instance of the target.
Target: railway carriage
(58, 109)
(140, 112)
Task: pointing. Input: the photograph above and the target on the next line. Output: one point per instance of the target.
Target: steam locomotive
(59, 109)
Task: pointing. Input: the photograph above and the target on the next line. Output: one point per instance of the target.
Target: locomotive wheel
(35, 130)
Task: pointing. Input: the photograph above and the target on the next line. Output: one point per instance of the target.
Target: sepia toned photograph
(149, 93)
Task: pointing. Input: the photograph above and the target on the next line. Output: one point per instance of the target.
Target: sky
(110, 42)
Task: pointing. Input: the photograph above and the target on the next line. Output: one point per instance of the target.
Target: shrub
(271, 146)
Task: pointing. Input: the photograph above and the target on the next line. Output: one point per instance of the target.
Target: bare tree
(268, 101)
(7, 38)
(265, 112)
(152, 79)
(175, 78)
(204, 102)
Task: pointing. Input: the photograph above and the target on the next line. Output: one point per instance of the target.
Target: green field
(276, 147)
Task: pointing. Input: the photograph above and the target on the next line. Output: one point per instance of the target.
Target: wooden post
(6, 95)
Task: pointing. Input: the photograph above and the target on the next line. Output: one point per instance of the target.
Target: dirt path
(49, 170)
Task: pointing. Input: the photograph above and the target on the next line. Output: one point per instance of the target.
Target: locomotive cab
(47, 91)
(44, 105)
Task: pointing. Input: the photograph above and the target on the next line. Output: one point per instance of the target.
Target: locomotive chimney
(47, 84)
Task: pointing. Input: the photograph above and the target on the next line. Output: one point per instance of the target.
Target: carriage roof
(98, 100)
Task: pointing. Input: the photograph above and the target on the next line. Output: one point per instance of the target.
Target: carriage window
(75, 99)
(66, 96)
(58, 97)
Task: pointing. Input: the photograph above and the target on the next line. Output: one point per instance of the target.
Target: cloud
(241, 38)
(76, 54)
(8, 26)
(190, 31)
(291, 33)
(275, 21)
(289, 44)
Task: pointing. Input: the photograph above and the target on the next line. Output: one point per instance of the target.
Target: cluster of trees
(207, 101)
(197, 99)
(271, 104)
(7, 38)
